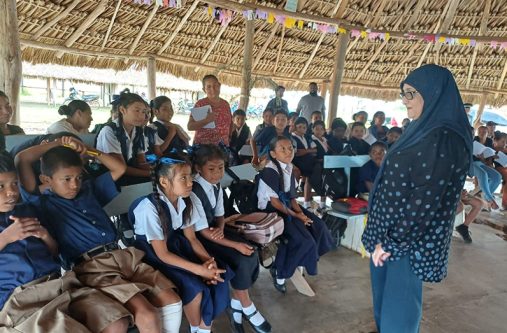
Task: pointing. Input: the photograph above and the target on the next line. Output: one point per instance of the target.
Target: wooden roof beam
(265, 46)
(384, 43)
(449, 16)
(110, 28)
(321, 39)
(279, 50)
(502, 79)
(401, 63)
(482, 31)
(178, 27)
(55, 20)
(378, 12)
(415, 14)
(144, 27)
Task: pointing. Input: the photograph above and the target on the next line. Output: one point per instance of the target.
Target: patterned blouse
(415, 202)
(223, 122)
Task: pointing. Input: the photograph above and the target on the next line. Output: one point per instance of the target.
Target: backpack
(352, 206)
(243, 194)
(334, 183)
(260, 228)
(336, 226)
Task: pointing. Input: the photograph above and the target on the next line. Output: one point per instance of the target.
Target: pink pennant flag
(473, 42)
(147, 2)
(138, 2)
(355, 33)
(429, 38)
(280, 19)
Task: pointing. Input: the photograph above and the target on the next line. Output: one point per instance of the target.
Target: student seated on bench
(369, 170)
(305, 236)
(86, 237)
(33, 297)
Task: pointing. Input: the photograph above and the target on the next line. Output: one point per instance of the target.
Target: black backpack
(243, 195)
(334, 183)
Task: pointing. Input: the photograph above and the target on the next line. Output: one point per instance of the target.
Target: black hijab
(443, 107)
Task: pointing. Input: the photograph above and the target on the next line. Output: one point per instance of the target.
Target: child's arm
(116, 166)
(172, 131)
(24, 160)
(196, 245)
(206, 270)
(303, 152)
(213, 234)
(142, 171)
(24, 227)
(255, 153)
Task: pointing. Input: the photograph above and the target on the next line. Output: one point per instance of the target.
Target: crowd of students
(183, 259)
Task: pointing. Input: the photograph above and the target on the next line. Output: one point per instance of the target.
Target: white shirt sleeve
(147, 221)
(264, 195)
(107, 142)
(200, 218)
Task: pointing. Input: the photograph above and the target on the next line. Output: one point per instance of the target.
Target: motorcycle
(76, 95)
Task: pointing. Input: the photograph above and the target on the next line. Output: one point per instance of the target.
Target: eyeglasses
(409, 95)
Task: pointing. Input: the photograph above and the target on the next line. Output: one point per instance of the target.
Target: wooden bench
(121, 204)
(12, 141)
(355, 223)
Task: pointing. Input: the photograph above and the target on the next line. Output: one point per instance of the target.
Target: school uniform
(239, 137)
(208, 201)
(148, 226)
(80, 226)
(367, 173)
(322, 147)
(336, 145)
(266, 135)
(33, 297)
(304, 163)
(114, 139)
(301, 245)
(176, 143)
(151, 139)
(359, 146)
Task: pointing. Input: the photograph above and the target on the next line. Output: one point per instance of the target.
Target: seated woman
(5, 117)
(369, 170)
(78, 119)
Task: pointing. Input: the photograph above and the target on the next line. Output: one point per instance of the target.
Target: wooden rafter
(400, 64)
(110, 28)
(342, 8)
(384, 43)
(178, 27)
(321, 39)
(101, 7)
(502, 78)
(449, 16)
(143, 29)
(265, 46)
(482, 31)
(279, 50)
(378, 13)
(415, 14)
(57, 18)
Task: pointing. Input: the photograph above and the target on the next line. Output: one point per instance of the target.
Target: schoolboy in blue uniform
(263, 138)
(33, 297)
(86, 237)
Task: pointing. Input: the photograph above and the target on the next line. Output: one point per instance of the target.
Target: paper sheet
(502, 159)
(201, 113)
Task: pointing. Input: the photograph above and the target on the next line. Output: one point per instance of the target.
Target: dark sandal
(235, 327)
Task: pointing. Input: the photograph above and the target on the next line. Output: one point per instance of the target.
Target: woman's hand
(244, 249)
(210, 117)
(379, 256)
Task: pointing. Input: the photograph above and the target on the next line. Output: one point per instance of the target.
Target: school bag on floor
(350, 206)
(243, 195)
(260, 228)
(336, 226)
(334, 183)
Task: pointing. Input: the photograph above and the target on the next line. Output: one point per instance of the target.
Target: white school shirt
(322, 142)
(148, 220)
(108, 143)
(217, 203)
(158, 139)
(304, 141)
(63, 125)
(265, 193)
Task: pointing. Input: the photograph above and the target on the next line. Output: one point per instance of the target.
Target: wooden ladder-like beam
(482, 31)
(55, 20)
(110, 28)
(180, 25)
(502, 78)
(280, 46)
(144, 27)
(265, 46)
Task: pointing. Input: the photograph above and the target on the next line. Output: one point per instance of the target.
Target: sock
(236, 305)
(322, 204)
(257, 319)
(280, 281)
(307, 204)
(171, 317)
(204, 330)
(194, 329)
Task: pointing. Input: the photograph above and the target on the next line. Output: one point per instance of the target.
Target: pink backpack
(260, 228)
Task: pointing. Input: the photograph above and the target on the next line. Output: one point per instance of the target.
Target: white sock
(236, 305)
(322, 204)
(171, 317)
(194, 329)
(307, 204)
(204, 330)
(280, 281)
(257, 319)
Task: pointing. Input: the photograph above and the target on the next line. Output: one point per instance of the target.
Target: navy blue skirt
(301, 245)
(245, 268)
(215, 298)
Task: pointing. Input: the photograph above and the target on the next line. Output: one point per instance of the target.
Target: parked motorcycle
(76, 95)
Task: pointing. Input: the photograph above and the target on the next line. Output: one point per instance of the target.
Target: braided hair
(161, 168)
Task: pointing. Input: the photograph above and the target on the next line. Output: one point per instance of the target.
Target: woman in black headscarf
(414, 199)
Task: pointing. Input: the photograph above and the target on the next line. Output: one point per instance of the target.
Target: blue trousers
(489, 179)
(397, 297)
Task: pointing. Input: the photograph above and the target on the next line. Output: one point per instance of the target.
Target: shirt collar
(286, 167)
(117, 122)
(207, 186)
(180, 203)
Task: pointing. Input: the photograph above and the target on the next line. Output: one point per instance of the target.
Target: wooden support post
(48, 90)
(10, 56)
(152, 78)
(247, 64)
(482, 104)
(339, 66)
(323, 89)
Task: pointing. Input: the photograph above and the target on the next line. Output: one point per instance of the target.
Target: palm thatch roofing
(189, 43)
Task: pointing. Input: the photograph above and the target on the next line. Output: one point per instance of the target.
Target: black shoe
(235, 327)
(464, 232)
(265, 327)
(280, 287)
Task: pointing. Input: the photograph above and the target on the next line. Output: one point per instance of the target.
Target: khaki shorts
(121, 274)
(59, 305)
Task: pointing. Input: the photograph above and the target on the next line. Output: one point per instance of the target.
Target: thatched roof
(188, 43)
